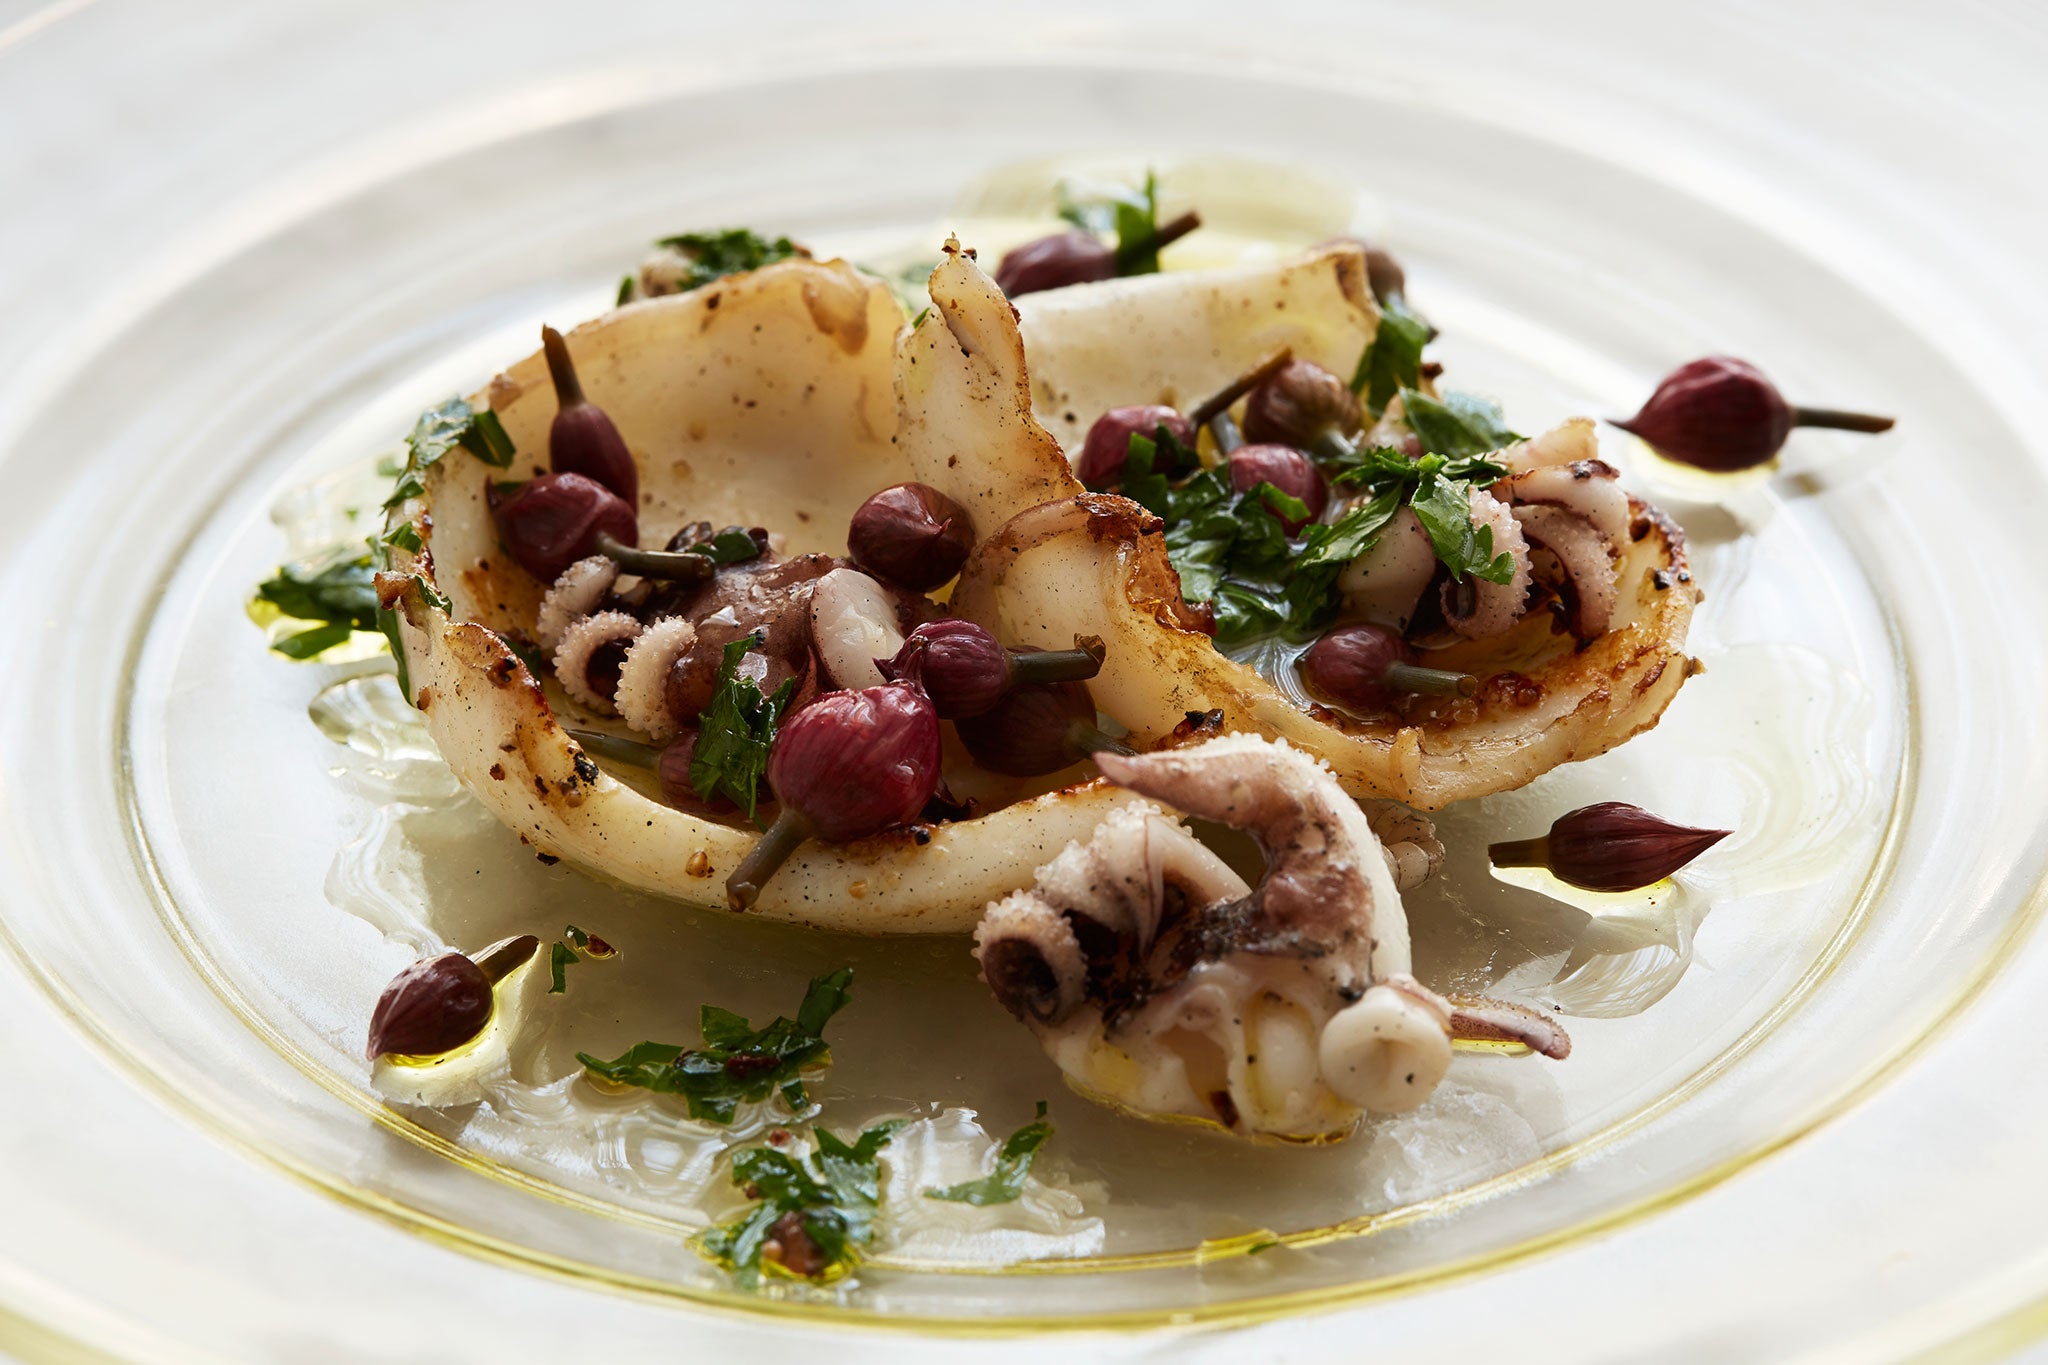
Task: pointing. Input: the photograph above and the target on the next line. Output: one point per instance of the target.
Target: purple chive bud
(1052, 262)
(1288, 470)
(1722, 414)
(1297, 404)
(910, 535)
(1611, 846)
(1101, 464)
(848, 765)
(583, 439)
(1078, 257)
(1036, 730)
(1370, 667)
(555, 520)
(439, 1003)
(965, 670)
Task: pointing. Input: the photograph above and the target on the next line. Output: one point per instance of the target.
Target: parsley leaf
(1327, 548)
(731, 546)
(1232, 552)
(340, 596)
(455, 423)
(738, 1061)
(1131, 215)
(440, 430)
(1458, 424)
(714, 255)
(1443, 505)
(1393, 362)
(818, 1208)
(572, 948)
(737, 730)
(559, 961)
(1151, 463)
(1013, 1164)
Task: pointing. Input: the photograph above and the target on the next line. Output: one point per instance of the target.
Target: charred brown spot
(1509, 688)
(1195, 727)
(1225, 1107)
(497, 772)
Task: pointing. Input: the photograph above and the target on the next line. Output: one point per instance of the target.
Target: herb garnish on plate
(737, 730)
(738, 1061)
(816, 1210)
(1013, 1166)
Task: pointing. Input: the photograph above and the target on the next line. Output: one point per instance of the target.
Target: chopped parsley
(1457, 424)
(714, 255)
(738, 1061)
(338, 597)
(737, 730)
(560, 960)
(731, 546)
(1393, 362)
(565, 955)
(1232, 550)
(440, 430)
(1130, 215)
(1013, 1164)
(816, 1210)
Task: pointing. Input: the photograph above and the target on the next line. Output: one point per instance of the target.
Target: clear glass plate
(214, 887)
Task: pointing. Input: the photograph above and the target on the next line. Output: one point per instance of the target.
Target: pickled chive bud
(583, 439)
(550, 522)
(966, 671)
(849, 765)
(440, 1003)
(1369, 668)
(910, 535)
(1612, 847)
(1299, 403)
(1289, 471)
(1724, 415)
(1108, 444)
(1035, 730)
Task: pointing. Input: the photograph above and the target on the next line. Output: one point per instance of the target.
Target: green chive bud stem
(1078, 664)
(501, 960)
(1223, 427)
(1087, 739)
(568, 388)
(770, 852)
(1521, 852)
(1434, 682)
(1220, 401)
(618, 749)
(1838, 420)
(675, 566)
(1333, 447)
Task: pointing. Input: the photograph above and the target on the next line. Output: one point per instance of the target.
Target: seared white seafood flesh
(1158, 980)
